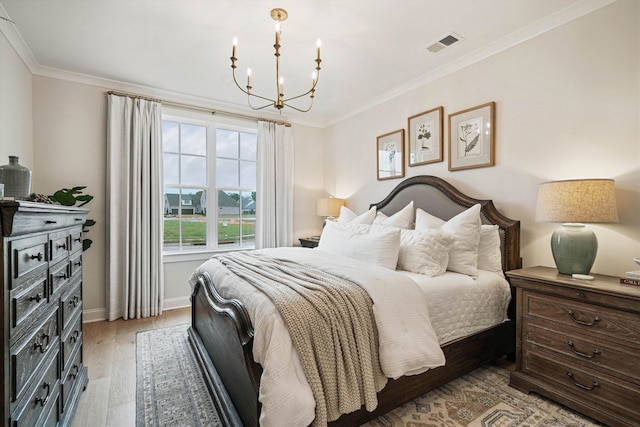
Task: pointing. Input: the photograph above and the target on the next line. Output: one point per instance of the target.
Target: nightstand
(578, 343)
(310, 242)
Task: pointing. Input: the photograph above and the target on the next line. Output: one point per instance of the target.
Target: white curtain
(135, 286)
(274, 201)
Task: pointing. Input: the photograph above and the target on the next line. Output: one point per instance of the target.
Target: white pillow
(347, 216)
(360, 241)
(489, 254)
(401, 219)
(465, 230)
(425, 252)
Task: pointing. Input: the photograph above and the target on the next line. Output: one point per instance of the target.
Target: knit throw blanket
(331, 323)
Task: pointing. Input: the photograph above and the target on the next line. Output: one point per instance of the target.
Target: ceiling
(179, 49)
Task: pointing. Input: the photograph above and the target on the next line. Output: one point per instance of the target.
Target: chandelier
(278, 15)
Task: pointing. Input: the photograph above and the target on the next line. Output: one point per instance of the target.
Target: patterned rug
(170, 390)
(478, 399)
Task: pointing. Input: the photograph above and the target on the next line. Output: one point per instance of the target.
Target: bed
(222, 333)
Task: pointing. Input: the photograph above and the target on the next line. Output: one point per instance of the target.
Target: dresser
(578, 343)
(41, 271)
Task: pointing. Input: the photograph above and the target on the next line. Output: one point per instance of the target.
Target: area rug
(170, 390)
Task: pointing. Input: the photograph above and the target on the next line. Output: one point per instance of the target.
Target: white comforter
(408, 343)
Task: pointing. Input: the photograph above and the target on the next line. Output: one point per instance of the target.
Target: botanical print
(425, 146)
(470, 138)
(387, 157)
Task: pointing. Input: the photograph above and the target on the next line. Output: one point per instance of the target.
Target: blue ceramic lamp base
(574, 248)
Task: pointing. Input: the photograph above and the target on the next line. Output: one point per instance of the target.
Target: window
(204, 158)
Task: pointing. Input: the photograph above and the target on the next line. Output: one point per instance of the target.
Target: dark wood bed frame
(222, 335)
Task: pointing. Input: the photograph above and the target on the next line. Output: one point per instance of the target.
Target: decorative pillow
(425, 252)
(465, 230)
(347, 216)
(401, 219)
(360, 241)
(489, 254)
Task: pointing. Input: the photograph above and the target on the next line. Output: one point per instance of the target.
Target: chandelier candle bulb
(318, 43)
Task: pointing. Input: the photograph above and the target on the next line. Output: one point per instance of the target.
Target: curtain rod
(198, 108)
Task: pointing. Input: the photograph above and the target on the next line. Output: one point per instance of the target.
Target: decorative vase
(16, 179)
(574, 248)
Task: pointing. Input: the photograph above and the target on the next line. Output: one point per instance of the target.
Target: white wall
(16, 138)
(567, 106)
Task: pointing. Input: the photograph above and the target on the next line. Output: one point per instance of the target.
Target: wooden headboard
(439, 198)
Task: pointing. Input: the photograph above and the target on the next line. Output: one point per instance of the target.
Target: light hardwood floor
(110, 357)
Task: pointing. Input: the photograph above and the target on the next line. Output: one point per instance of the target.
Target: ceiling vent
(444, 42)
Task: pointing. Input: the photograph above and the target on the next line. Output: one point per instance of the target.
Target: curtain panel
(135, 283)
(274, 201)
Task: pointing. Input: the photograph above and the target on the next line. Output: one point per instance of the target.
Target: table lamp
(575, 202)
(329, 207)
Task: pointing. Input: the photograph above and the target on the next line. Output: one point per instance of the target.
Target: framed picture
(472, 137)
(425, 137)
(390, 155)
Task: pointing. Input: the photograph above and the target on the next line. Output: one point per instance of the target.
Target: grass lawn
(194, 230)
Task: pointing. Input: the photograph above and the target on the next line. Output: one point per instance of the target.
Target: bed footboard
(222, 337)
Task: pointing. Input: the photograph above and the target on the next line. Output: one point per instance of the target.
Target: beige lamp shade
(329, 206)
(579, 201)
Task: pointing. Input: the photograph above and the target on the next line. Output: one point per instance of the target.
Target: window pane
(228, 218)
(170, 136)
(247, 174)
(193, 218)
(226, 143)
(193, 171)
(170, 168)
(248, 146)
(226, 173)
(248, 219)
(171, 219)
(194, 139)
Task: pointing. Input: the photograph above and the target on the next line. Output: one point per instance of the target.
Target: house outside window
(201, 158)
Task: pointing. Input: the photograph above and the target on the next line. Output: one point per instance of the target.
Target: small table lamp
(329, 207)
(574, 202)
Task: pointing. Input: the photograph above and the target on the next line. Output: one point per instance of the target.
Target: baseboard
(99, 314)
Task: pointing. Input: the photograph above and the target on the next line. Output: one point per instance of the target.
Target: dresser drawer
(71, 340)
(58, 276)
(58, 246)
(25, 302)
(71, 303)
(75, 264)
(28, 355)
(70, 377)
(75, 240)
(601, 322)
(618, 361)
(589, 386)
(40, 404)
(28, 254)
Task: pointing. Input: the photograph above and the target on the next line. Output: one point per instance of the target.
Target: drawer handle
(74, 301)
(40, 343)
(61, 246)
(582, 322)
(43, 400)
(579, 353)
(77, 369)
(38, 257)
(77, 219)
(62, 276)
(37, 298)
(582, 386)
(78, 239)
(75, 336)
(78, 263)
(49, 221)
